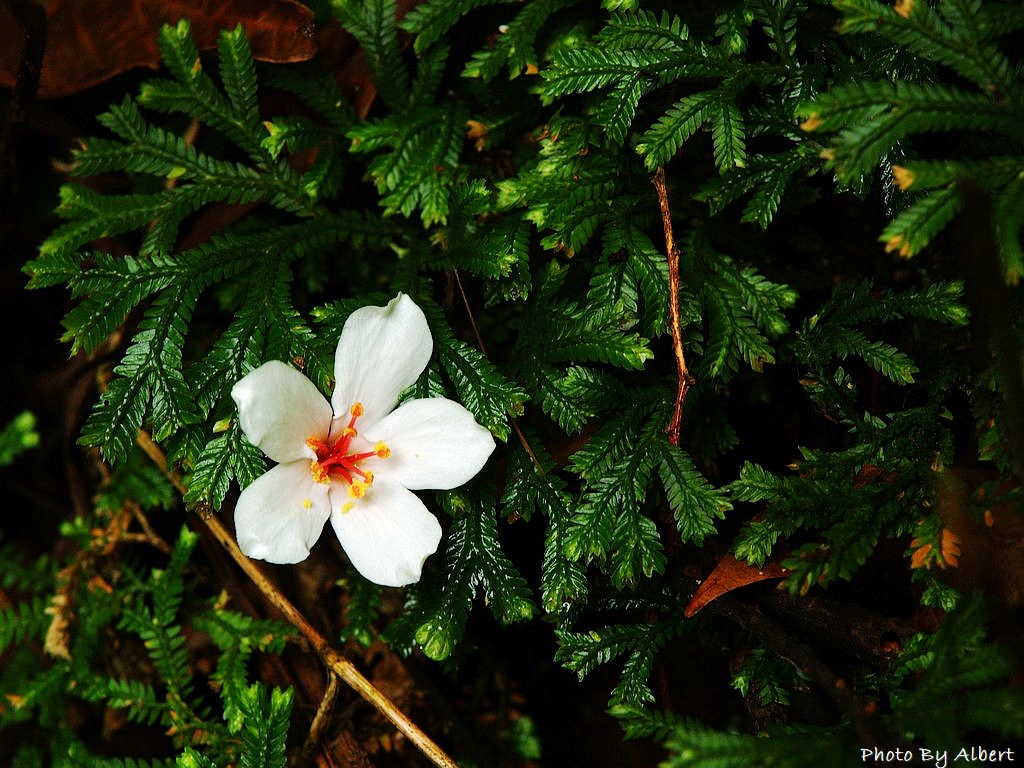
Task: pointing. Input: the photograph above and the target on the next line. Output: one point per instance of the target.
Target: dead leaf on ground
(732, 574)
(89, 41)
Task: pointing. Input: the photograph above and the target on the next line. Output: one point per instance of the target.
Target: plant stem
(675, 325)
(335, 662)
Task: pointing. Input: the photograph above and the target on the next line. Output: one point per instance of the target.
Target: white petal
(282, 514)
(387, 534)
(382, 350)
(435, 443)
(278, 408)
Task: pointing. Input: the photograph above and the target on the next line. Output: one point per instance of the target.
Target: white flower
(355, 459)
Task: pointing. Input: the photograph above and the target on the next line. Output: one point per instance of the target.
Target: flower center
(338, 462)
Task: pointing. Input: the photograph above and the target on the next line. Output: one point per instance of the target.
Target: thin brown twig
(323, 713)
(865, 721)
(469, 313)
(483, 350)
(675, 324)
(335, 662)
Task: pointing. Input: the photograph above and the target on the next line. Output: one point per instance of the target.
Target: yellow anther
(381, 450)
(356, 409)
(357, 490)
(348, 432)
(904, 8)
(318, 472)
(307, 503)
(811, 123)
(346, 507)
(368, 479)
(903, 177)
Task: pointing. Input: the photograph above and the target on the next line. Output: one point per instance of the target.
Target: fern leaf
(661, 142)
(374, 25)
(695, 503)
(729, 135)
(635, 548)
(955, 40)
(1008, 214)
(266, 719)
(617, 111)
(238, 74)
(430, 20)
(515, 45)
(645, 29)
(22, 621)
(916, 226)
(194, 92)
(474, 554)
(192, 759)
(150, 381)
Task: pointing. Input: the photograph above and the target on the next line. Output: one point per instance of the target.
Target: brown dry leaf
(948, 555)
(950, 548)
(58, 634)
(89, 41)
(731, 574)
(920, 557)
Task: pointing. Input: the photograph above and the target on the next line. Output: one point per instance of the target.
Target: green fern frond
(645, 29)
(949, 34)
(238, 74)
(608, 522)
(475, 555)
(660, 143)
(780, 20)
(139, 700)
(533, 486)
(693, 745)
(581, 70)
(22, 621)
(424, 147)
(488, 395)
(430, 20)
(1008, 213)
(265, 721)
(915, 227)
(192, 759)
(193, 91)
(515, 47)
(574, 334)
(636, 548)
(149, 381)
(584, 652)
(694, 502)
(728, 135)
(237, 636)
(373, 23)
(616, 112)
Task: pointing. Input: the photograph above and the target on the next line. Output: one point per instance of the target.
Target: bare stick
(483, 350)
(675, 325)
(335, 662)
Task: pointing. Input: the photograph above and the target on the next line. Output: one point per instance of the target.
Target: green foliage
(436, 622)
(502, 179)
(22, 621)
(870, 118)
(958, 663)
(17, 437)
(583, 652)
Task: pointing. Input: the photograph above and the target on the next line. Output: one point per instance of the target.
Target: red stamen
(335, 460)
